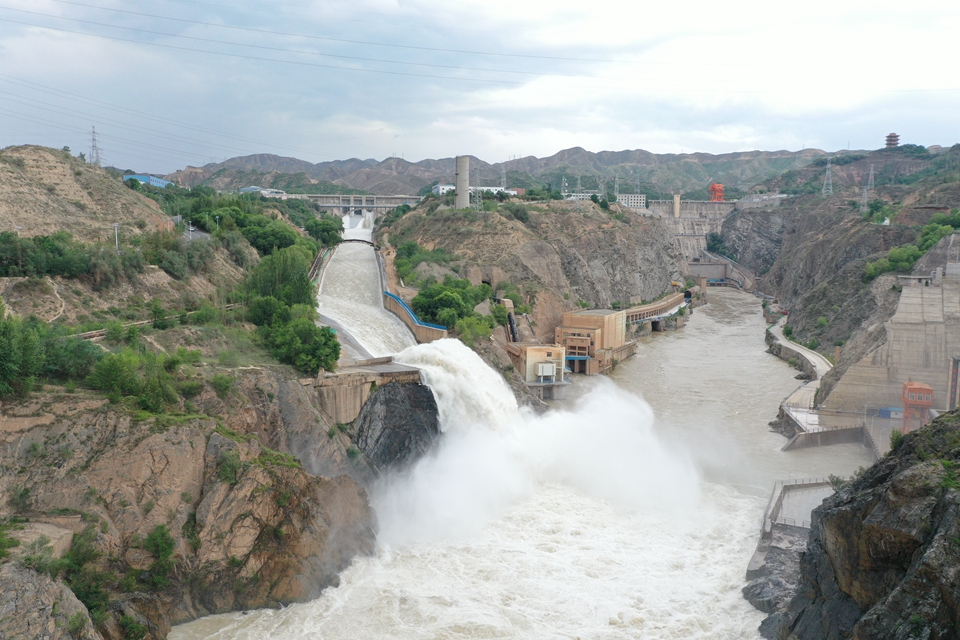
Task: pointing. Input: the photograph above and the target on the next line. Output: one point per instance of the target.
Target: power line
(142, 114)
(260, 58)
(279, 49)
(341, 40)
(65, 111)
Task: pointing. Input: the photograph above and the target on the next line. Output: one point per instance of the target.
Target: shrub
(821, 322)
(78, 621)
(896, 439)
(222, 384)
(500, 314)
(132, 630)
(472, 329)
(160, 544)
(190, 388)
(20, 499)
(229, 467)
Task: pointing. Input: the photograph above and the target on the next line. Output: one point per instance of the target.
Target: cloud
(492, 78)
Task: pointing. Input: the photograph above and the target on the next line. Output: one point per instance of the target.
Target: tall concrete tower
(462, 201)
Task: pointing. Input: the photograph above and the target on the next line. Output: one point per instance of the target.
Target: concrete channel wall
(422, 331)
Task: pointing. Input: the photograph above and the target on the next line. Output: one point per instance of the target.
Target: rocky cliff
(250, 528)
(558, 257)
(397, 425)
(883, 558)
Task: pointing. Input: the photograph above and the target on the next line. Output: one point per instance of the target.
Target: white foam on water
(577, 523)
(350, 294)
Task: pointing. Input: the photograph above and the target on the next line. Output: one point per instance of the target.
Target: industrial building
(541, 366)
(443, 189)
(150, 180)
(263, 191)
(633, 200)
(594, 339)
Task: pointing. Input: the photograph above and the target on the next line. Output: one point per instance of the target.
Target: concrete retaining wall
(784, 352)
(342, 395)
(421, 331)
(824, 438)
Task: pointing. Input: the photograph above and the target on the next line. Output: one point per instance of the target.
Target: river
(630, 511)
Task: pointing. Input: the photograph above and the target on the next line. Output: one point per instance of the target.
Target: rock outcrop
(32, 605)
(883, 559)
(250, 528)
(399, 423)
(558, 258)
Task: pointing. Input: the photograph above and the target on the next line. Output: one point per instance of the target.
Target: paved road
(820, 363)
(195, 234)
(800, 403)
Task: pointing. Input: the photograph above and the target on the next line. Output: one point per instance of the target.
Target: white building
(444, 189)
(633, 200)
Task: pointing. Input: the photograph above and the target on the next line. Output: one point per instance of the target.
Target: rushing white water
(350, 294)
(584, 522)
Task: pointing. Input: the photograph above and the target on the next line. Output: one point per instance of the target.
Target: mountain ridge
(658, 173)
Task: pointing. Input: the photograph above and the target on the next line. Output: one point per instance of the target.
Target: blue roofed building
(150, 180)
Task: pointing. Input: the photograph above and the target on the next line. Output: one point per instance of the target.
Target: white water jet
(521, 525)
(493, 455)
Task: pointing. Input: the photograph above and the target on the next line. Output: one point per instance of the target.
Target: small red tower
(716, 192)
(917, 399)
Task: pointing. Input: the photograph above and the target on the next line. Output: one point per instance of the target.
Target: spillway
(630, 511)
(350, 294)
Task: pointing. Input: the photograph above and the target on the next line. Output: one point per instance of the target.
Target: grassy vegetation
(902, 258)
(410, 255)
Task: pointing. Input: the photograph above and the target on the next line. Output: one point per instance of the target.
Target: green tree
(326, 230)
(284, 275)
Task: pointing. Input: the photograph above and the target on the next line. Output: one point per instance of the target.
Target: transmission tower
(867, 190)
(576, 196)
(616, 188)
(478, 195)
(827, 182)
(503, 177)
(638, 179)
(94, 148)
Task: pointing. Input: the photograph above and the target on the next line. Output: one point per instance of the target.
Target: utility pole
(19, 254)
(116, 235)
(870, 180)
(827, 182)
(616, 188)
(94, 148)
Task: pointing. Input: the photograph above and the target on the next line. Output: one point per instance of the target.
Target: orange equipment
(917, 399)
(716, 192)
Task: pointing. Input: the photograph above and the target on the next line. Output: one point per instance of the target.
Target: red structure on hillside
(716, 192)
(917, 399)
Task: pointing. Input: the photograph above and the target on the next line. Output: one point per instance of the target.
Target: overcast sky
(170, 83)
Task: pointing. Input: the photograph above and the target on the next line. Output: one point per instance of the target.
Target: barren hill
(658, 173)
(43, 191)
